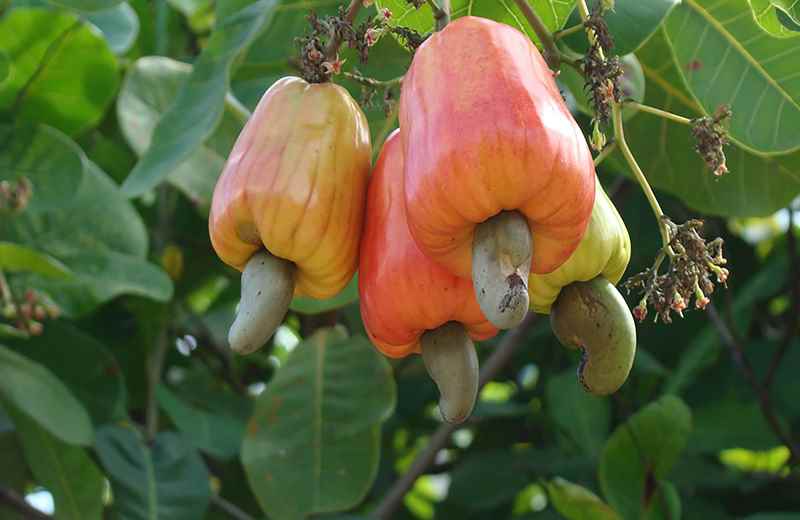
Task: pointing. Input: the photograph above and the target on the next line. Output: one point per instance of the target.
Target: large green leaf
(631, 23)
(754, 186)
(150, 87)
(584, 418)
(199, 105)
(216, 431)
(726, 59)
(312, 444)
(768, 18)
(100, 237)
(50, 160)
(17, 258)
(484, 480)
(63, 73)
(85, 366)
(165, 479)
(66, 471)
(119, 24)
(641, 450)
(31, 388)
(575, 502)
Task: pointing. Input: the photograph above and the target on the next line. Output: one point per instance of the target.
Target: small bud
(367, 3)
(640, 311)
(371, 37)
(30, 296)
(608, 5)
(35, 328)
(678, 303)
(598, 138)
(315, 56)
(700, 299)
(53, 310)
(386, 13)
(9, 311)
(332, 68)
(39, 312)
(26, 310)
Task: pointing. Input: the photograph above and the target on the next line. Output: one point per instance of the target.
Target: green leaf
(768, 18)
(714, 431)
(726, 59)
(313, 442)
(554, 13)
(347, 296)
(58, 61)
(665, 504)
(165, 479)
(217, 432)
(754, 186)
(199, 105)
(51, 161)
(5, 66)
(631, 23)
(486, 480)
(575, 502)
(99, 236)
(643, 448)
(790, 8)
(150, 87)
(773, 516)
(119, 24)
(583, 417)
(16, 258)
(85, 5)
(33, 389)
(85, 366)
(66, 471)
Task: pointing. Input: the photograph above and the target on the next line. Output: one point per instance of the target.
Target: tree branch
(739, 357)
(16, 502)
(333, 46)
(229, 508)
(551, 54)
(500, 357)
(440, 13)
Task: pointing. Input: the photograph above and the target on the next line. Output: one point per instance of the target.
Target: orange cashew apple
(288, 207)
(410, 304)
(499, 178)
(586, 310)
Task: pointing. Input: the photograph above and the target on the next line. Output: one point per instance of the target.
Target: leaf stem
(372, 82)
(500, 357)
(659, 112)
(563, 33)
(619, 137)
(551, 54)
(603, 155)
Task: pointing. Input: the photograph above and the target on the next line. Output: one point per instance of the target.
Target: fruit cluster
(484, 203)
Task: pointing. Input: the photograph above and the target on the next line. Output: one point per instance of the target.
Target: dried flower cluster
(28, 313)
(693, 264)
(15, 195)
(711, 135)
(318, 62)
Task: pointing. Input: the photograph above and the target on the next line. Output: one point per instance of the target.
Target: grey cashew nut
(501, 263)
(593, 316)
(267, 290)
(449, 356)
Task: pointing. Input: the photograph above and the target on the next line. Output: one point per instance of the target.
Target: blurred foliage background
(120, 398)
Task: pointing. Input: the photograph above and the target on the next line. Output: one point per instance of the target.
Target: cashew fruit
(294, 185)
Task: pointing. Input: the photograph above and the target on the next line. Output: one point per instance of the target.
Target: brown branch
(16, 502)
(551, 54)
(794, 311)
(739, 357)
(336, 41)
(501, 355)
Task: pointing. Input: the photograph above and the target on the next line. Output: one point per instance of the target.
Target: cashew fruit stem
(593, 316)
(452, 363)
(501, 263)
(267, 290)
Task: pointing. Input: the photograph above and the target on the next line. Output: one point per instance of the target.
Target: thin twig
(794, 311)
(603, 155)
(372, 82)
(551, 54)
(660, 113)
(333, 45)
(739, 357)
(441, 13)
(12, 499)
(563, 33)
(500, 357)
(229, 508)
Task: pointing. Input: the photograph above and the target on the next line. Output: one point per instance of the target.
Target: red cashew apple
(410, 304)
(288, 207)
(499, 178)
